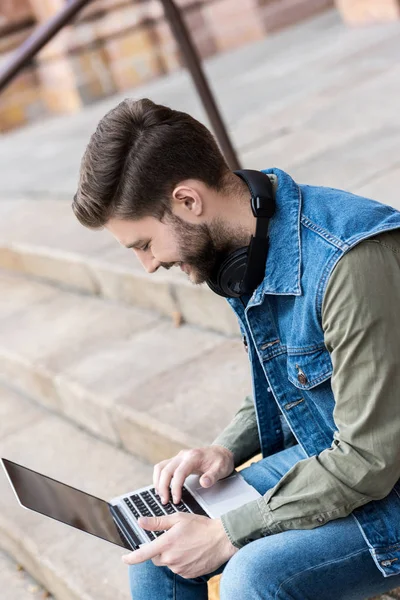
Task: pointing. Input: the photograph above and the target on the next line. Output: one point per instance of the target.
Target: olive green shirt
(361, 324)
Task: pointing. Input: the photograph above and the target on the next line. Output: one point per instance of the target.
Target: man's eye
(146, 247)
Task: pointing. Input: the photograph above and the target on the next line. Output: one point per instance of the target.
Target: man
(322, 331)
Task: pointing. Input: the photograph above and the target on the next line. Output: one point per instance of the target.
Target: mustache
(169, 265)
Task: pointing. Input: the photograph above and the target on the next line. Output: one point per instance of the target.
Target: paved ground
(320, 100)
(16, 584)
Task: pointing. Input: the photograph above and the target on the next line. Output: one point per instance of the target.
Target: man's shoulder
(366, 271)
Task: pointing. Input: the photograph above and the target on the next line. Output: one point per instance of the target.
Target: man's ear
(187, 202)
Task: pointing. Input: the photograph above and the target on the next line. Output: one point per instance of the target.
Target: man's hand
(212, 462)
(192, 546)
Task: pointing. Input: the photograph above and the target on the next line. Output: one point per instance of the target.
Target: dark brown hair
(139, 152)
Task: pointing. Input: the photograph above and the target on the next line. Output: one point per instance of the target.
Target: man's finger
(159, 523)
(156, 472)
(145, 552)
(177, 482)
(165, 479)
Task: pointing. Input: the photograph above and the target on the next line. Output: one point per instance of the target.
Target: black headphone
(244, 269)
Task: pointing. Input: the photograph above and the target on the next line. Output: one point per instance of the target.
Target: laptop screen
(64, 503)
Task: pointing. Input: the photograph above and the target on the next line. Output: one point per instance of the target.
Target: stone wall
(117, 44)
(361, 12)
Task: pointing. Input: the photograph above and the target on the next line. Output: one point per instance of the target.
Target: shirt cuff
(241, 439)
(249, 522)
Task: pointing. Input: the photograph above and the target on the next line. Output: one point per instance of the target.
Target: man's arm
(241, 435)
(361, 328)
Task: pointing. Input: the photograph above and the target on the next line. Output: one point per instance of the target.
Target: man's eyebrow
(136, 244)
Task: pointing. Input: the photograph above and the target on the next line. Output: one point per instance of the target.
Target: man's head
(155, 178)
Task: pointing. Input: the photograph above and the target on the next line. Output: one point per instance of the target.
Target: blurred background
(105, 370)
(117, 44)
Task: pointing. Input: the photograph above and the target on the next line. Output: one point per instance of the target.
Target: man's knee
(145, 577)
(250, 574)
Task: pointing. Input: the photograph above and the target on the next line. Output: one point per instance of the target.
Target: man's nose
(150, 264)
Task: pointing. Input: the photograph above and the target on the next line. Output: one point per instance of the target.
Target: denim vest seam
(302, 350)
(298, 287)
(326, 235)
(328, 269)
(273, 353)
(323, 283)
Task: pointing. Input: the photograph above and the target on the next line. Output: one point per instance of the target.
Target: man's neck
(235, 208)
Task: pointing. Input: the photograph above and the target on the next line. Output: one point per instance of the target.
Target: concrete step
(68, 563)
(43, 239)
(124, 374)
(16, 583)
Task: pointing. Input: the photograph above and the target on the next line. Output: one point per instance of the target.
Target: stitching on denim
(352, 243)
(314, 568)
(335, 241)
(298, 350)
(323, 282)
(268, 344)
(273, 353)
(298, 287)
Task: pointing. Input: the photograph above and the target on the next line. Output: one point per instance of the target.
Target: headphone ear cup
(227, 280)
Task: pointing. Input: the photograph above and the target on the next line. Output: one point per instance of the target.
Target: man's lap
(327, 563)
(331, 562)
(265, 473)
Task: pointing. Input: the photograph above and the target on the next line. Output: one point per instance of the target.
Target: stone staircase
(104, 369)
(43, 239)
(93, 391)
(70, 564)
(96, 386)
(16, 583)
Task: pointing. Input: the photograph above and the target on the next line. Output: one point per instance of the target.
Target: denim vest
(311, 230)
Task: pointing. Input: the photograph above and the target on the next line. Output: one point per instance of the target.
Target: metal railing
(44, 33)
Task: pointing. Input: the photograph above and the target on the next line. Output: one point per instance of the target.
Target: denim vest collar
(282, 277)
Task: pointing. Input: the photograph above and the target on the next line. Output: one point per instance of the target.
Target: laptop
(116, 521)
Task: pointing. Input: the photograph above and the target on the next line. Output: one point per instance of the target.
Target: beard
(203, 247)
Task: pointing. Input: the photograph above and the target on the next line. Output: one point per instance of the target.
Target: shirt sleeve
(241, 435)
(361, 329)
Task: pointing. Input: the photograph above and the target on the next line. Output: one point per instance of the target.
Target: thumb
(157, 523)
(208, 479)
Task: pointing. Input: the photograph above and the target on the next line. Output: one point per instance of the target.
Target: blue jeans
(331, 562)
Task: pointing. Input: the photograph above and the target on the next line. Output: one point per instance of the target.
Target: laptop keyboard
(148, 504)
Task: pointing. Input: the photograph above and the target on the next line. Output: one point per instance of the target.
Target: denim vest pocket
(308, 369)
